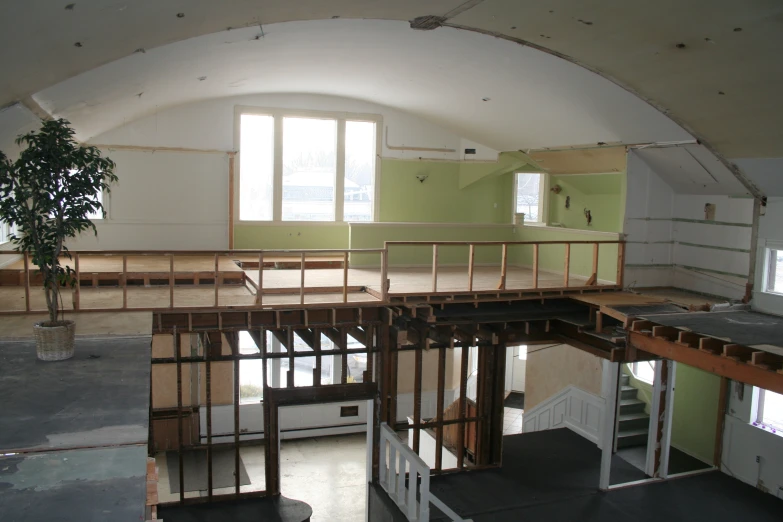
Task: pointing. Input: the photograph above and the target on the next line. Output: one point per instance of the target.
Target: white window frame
(634, 367)
(277, 176)
(770, 247)
(757, 416)
(5, 232)
(543, 190)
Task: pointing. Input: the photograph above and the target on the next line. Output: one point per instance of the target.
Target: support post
(435, 267)
(608, 424)
(217, 280)
(124, 282)
(301, 279)
(231, 157)
(27, 281)
(345, 277)
(504, 266)
(236, 362)
(77, 291)
(385, 275)
(567, 267)
(594, 276)
(260, 289)
(439, 405)
(620, 263)
(208, 368)
(471, 261)
(171, 280)
(180, 442)
(535, 265)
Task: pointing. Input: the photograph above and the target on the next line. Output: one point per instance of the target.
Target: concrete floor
(328, 473)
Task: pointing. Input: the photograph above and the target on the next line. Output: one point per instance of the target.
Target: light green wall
(695, 416)
(602, 194)
(552, 257)
(439, 199)
(373, 236)
(291, 237)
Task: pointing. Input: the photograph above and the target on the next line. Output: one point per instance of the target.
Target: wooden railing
(413, 497)
(504, 258)
(264, 292)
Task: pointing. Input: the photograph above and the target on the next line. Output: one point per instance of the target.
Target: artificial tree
(48, 194)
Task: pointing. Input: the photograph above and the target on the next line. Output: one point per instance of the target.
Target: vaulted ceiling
(712, 66)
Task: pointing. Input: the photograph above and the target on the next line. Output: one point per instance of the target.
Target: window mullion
(277, 182)
(339, 186)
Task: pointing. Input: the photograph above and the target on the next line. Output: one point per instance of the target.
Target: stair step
(631, 406)
(633, 416)
(631, 433)
(627, 388)
(630, 402)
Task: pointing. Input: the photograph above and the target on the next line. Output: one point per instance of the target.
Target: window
(643, 370)
(97, 214)
(522, 352)
(529, 196)
(306, 166)
(770, 410)
(6, 231)
(774, 271)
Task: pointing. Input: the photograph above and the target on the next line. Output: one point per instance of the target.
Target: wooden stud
(77, 290)
(594, 276)
(384, 275)
(688, 339)
(535, 265)
(124, 282)
(231, 157)
(208, 385)
(180, 438)
(599, 321)
(439, 405)
(620, 263)
(503, 266)
(435, 267)
(463, 404)
(471, 261)
(567, 268)
(260, 289)
(301, 281)
(345, 277)
(27, 282)
(171, 281)
(418, 354)
(217, 285)
(667, 332)
(709, 344)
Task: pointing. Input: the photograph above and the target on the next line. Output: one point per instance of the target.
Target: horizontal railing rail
(168, 273)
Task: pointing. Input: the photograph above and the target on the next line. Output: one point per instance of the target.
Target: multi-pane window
(774, 271)
(528, 196)
(770, 412)
(306, 167)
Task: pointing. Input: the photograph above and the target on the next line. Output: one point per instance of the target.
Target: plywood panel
(581, 161)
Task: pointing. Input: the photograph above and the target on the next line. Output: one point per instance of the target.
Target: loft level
(467, 272)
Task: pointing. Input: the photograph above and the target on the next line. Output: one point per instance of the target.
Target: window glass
(644, 371)
(775, 271)
(251, 371)
(256, 166)
(359, 190)
(522, 353)
(772, 410)
(528, 194)
(309, 169)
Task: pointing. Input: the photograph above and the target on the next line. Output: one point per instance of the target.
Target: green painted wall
(439, 199)
(602, 194)
(552, 257)
(695, 416)
(291, 237)
(373, 236)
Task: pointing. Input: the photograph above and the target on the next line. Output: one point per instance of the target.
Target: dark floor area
(515, 400)
(277, 509)
(679, 462)
(553, 475)
(73, 434)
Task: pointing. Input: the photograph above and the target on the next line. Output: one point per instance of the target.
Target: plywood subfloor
(152, 263)
(88, 324)
(680, 297)
(618, 298)
(415, 280)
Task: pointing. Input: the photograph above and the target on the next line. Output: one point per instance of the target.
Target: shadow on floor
(679, 462)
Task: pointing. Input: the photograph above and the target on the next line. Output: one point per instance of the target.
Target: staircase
(633, 422)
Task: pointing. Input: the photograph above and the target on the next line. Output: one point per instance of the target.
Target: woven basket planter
(55, 342)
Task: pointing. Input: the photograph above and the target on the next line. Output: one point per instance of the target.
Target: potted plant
(48, 194)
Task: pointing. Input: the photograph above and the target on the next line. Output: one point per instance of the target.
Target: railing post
(302, 279)
(401, 479)
(620, 263)
(171, 280)
(504, 266)
(77, 291)
(259, 290)
(124, 282)
(435, 267)
(413, 482)
(26, 282)
(217, 280)
(471, 263)
(594, 277)
(392, 477)
(567, 267)
(424, 494)
(385, 274)
(345, 277)
(535, 265)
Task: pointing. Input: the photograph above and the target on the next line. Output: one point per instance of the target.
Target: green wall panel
(602, 194)
(695, 416)
(291, 237)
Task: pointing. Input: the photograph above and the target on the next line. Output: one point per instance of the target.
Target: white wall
(571, 408)
(671, 243)
(770, 235)
(743, 443)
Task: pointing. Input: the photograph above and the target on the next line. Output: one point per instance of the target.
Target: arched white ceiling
(533, 99)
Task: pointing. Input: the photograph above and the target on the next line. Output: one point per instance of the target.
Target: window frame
(278, 114)
(758, 416)
(769, 269)
(543, 189)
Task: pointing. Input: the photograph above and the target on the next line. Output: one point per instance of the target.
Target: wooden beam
(717, 364)
(435, 268)
(471, 261)
(535, 265)
(567, 267)
(306, 336)
(503, 266)
(231, 156)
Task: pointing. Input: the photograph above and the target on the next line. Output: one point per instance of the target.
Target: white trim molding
(571, 408)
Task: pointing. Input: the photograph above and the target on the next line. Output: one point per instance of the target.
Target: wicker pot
(54, 341)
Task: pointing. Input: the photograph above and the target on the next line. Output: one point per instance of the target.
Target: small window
(644, 371)
(359, 190)
(5, 232)
(770, 412)
(256, 158)
(774, 271)
(528, 196)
